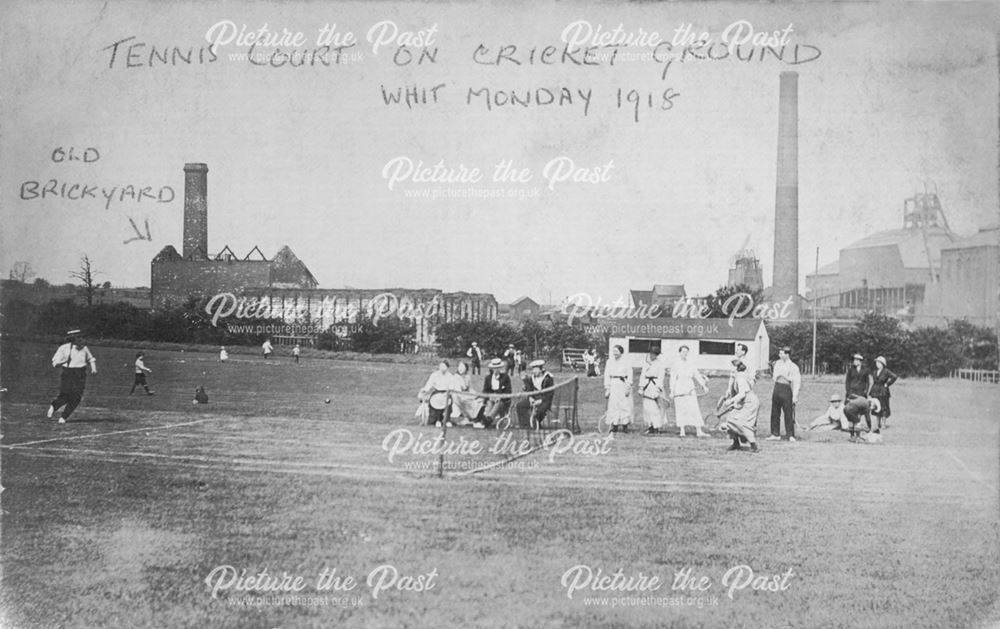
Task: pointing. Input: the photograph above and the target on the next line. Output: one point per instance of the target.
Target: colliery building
(923, 273)
(287, 285)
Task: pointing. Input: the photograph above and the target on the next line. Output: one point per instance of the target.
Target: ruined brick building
(286, 284)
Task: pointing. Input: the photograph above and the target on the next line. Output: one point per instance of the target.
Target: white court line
(114, 432)
(976, 477)
(372, 472)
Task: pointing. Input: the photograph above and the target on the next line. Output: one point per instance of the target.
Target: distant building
(286, 285)
(969, 277)
(888, 272)
(665, 297)
(523, 308)
(746, 270)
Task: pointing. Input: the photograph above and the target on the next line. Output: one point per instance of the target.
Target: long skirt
(466, 406)
(687, 411)
(743, 420)
(652, 413)
(883, 401)
(619, 404)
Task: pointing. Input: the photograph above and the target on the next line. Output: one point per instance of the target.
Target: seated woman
(464, 408)
(436, 393)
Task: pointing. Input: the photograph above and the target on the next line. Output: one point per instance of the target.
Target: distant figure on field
(223, 354)
(73, 358)
(296, 351)
(267, 348)
(475, 355)
(200, 397)
(140, 374)
(508, 357)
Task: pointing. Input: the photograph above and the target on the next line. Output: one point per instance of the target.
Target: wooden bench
(572, 358)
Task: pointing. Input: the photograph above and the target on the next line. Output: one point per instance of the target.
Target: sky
(901, 97)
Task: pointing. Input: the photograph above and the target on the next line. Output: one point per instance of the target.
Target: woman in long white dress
(464, 408)
(683, 380)
(742, 420)
(618, 390)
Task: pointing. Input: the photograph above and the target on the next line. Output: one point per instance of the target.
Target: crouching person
(742, 421)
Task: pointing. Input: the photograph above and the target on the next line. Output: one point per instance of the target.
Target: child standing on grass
(223, 354)
(295, 352)
(140, 374)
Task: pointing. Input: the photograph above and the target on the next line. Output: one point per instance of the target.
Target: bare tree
(22, 272)
(86, 275)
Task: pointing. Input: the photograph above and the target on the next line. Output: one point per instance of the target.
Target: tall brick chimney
(785, 282)
(195, 211)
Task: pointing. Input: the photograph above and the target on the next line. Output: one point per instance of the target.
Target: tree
(86, 275)
(22, 272)
(724, 304)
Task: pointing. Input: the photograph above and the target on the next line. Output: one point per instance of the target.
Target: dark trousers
(71, 384)
(140, 380)
(475, 367)
(781, 402)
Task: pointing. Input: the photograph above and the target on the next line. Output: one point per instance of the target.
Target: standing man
(267, 348)
(652, 386)
(476, 356)
(858, 380)
(785, 396)
(508, 357)
(296, 352)
(73, 358)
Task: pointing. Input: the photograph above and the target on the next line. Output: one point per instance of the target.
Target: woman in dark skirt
(882, 379)
(73, 357)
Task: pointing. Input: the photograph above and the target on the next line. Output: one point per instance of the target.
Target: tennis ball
(327, 400)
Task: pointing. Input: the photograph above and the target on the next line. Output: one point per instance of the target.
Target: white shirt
(440, 382)
(68, 355)
(267, 347)
(789, 371)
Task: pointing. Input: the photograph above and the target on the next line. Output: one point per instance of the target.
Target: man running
(73, 357)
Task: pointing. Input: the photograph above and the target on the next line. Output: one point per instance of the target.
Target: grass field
(117, 518)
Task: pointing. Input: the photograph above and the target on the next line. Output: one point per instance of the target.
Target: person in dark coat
(531, 411)
(882, 379)
(858, 380)
(497, 382)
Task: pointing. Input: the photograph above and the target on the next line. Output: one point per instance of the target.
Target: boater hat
(836, 398)
(74, 333)
(858, 357)
(536, 363)
(881, 359)
(496, 363)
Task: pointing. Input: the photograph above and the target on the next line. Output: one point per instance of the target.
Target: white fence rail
(977, 375)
